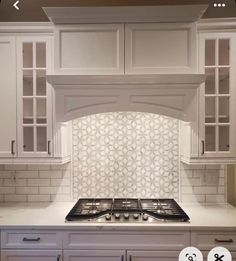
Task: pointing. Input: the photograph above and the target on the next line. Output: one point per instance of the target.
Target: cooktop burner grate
(126, 210)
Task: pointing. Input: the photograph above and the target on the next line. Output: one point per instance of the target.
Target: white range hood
(81, 89)
(171, 95)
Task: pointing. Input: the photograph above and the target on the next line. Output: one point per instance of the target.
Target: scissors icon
(218, 257)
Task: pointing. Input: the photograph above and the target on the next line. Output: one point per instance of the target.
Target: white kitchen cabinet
(211, 138)
(8, 96)
(152, 255)
(152, 48)
(89, 49)
(29, 133)
(31, 239)
(158, 240)
(31, 255)
(218, 95)
(34, 100)
(206, 240)
(94, 255)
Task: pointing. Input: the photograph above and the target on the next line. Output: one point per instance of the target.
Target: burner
(126, 210)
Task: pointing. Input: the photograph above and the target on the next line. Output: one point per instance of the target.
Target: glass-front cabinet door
(34, 97)
(217, 95)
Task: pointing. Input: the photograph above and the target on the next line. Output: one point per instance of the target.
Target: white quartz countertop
(52, 216)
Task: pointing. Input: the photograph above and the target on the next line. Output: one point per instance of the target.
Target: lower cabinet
(94, 255)
(31, 255)
(152, 255)
(94, 245)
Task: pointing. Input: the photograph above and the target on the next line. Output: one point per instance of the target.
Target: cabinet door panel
(92, 255)
(34, 96)
(152, 255)
(30, 255)
(149, 48)
(90, 49)
(218, 95)
(8, 95)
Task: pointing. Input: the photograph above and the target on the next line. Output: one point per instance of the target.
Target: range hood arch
(174, 95)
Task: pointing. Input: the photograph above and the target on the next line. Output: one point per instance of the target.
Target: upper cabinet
(150, 48)
(89, 49)
(212, 137)
(125, 39)
(29, 133)
(218, 94)
(8, 96)
(157, 48)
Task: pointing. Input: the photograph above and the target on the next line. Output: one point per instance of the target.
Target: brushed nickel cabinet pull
(12, 147)
(49, 147)
(224, 240)
(58, 257)
(203, 147)
(25, 239)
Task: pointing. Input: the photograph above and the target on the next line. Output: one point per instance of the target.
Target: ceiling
(31, 10)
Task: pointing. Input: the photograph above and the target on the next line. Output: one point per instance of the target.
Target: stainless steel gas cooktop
(126, 210)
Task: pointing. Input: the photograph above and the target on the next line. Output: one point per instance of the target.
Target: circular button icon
(190, 254)
(219, 254)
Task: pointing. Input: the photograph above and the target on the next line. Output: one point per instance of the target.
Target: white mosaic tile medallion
(125, 154)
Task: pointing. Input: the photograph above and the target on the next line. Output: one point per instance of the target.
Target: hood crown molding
(125, 14)
(173, 95)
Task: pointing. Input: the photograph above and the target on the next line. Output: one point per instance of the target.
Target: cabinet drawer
(174, 240)
(31, 239)
(205, 240)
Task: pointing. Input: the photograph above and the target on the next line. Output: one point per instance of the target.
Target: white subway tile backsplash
(187, 190)
(35, 183)
(189, 198)
(204, 185)
(7, 190)
(38, 182)
(53, 174)
(191, 182)
(39, 198)
(7, 174)
(16, 167)
(39, 167)
(27, 174)
(15, 182)
(27, 190)
(61, 198)
(60, 182)
(205, 190)
(215, 198)
(49, 190)
(15, 198)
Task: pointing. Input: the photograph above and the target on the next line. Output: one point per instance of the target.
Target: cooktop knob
(108, 216)
(136, 216)
(126, 215)
(145, 217)
(117, 215)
